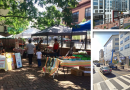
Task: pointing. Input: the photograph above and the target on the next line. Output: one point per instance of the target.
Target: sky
(98, 41)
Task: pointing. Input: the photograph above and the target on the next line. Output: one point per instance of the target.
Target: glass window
(95, 3)
(116, 43)
(116, 48)
(88, 13)
(121, 49)
(125, 33)
(127, 38)
(75, 16)
(121, 35)
(116, 39)
(126, 46)
(121, 42)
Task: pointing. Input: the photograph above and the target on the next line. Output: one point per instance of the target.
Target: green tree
(84, 20)
(25, 11)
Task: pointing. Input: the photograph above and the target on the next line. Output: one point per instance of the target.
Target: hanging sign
(18, 60)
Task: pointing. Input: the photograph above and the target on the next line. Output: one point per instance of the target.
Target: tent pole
(85, 40)
(47, 40)
(61, 43)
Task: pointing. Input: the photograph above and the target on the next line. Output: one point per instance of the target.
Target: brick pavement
(31, 78)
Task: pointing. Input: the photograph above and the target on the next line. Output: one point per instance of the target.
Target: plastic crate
(84, 58)
(72, 59)
(78, 55)
(78, 58)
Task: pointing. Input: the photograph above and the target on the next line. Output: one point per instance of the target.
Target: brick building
(83, 10)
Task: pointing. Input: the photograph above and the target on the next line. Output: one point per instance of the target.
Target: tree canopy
(21, 12)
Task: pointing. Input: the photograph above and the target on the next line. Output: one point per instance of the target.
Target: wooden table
(68, 63)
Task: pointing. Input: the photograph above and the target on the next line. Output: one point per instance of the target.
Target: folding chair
(51, 66)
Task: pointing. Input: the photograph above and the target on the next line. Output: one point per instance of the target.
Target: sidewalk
(31, 78)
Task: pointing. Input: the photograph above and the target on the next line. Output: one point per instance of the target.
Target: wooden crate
(86, 73)
(76, 72)
(85, 68)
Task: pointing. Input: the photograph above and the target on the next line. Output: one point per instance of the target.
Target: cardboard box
(86, 73)
(85, 68)
(76, 72)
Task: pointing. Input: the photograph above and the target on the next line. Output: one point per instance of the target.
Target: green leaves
(21, 13)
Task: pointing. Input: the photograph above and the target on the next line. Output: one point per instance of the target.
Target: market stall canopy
(2, 36)
(57, 31)
(27, 33)
(85, 26)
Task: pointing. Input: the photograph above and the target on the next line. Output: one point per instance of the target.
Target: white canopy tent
(27, 33)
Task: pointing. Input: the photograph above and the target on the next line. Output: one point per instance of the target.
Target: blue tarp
(85, 26)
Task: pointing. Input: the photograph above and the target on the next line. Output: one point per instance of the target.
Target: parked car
(98, 64)
(101, 64)
(105, 70)
(93, 68)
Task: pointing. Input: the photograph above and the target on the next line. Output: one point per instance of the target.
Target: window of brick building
(88, 13)
(75, 16)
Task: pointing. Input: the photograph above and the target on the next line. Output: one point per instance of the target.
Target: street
(117, 80)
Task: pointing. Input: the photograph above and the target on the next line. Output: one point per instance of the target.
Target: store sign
(18, 60)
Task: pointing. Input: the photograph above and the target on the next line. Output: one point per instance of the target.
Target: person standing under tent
(39, 46)
(30, 51)
(16, 43)
(56, 47)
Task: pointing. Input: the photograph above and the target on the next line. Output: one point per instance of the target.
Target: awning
(85, 26)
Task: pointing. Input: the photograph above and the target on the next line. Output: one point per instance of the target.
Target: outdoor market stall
(72, 61)
(57, 31)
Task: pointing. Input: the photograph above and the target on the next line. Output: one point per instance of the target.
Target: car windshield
(106, 68)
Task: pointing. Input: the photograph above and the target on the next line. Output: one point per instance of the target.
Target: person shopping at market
(39, 57)
(39, 46)
(1, 46)
(30, 51)
(56, 47)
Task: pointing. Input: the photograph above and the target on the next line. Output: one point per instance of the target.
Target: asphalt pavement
(117, 80)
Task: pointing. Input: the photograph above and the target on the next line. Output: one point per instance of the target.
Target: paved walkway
(31, 78)
(117, 83)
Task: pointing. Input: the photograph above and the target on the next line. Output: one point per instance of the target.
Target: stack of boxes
(82, 71)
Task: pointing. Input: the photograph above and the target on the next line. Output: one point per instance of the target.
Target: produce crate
(76, 72)
(84, 58)
(72, 59)
(86, 73)
(85, 68)
(78, 55)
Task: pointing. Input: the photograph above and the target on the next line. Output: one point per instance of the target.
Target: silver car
(105, 70)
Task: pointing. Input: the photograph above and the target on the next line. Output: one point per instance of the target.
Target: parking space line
(102, 76)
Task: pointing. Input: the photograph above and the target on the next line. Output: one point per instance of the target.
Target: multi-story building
(109, 6)
(112, 43)
(124, 46)
(83, 10)
(101, 56)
